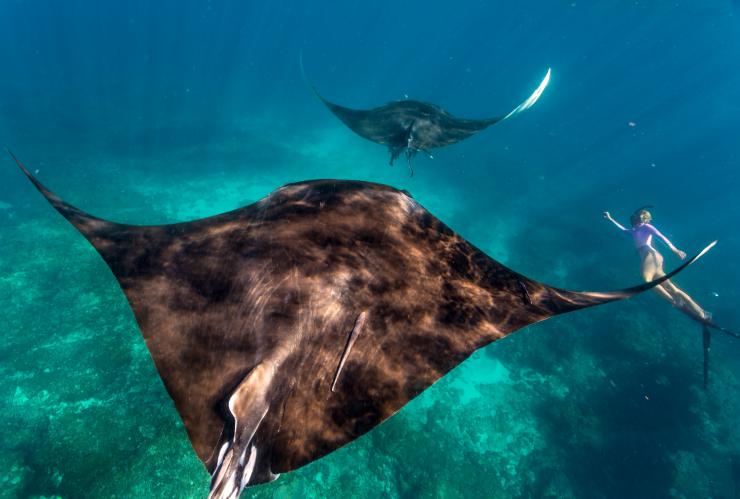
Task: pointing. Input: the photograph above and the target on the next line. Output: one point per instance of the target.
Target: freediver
(652, 267)
(652, 262)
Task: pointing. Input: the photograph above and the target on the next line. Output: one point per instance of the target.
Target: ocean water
(156, 112)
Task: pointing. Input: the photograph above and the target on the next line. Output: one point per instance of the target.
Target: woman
(652, 261)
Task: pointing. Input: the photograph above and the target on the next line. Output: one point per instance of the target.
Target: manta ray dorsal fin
(532, 99)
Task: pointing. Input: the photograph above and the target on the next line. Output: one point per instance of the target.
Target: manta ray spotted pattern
(287, 328)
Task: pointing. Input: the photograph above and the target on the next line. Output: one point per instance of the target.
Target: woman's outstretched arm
(609, 217)
(667, 242)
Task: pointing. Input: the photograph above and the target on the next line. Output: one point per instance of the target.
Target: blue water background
(146, 112)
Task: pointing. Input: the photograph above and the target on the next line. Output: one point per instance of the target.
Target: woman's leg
(677, 296)
(681, 296)
(650, 268)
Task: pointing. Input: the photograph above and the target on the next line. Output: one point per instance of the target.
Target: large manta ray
(287, 328)
(410, 126)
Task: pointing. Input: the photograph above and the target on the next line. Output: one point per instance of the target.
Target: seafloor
(602, 403)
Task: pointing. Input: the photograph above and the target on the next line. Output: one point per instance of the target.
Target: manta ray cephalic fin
(248, 405)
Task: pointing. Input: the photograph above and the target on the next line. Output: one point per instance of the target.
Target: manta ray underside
(410, 126)
(290, 327)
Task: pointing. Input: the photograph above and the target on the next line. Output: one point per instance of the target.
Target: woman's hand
(679, 253)
(606, 215)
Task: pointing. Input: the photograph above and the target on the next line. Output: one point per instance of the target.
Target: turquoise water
(155, 114)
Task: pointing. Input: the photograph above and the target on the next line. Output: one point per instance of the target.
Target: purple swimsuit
(643, 236)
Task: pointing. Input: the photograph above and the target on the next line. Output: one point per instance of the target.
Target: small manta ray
(288, 328)
(410, 126)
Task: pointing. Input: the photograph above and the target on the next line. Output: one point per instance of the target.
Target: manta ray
(410, 126)
(287, 328)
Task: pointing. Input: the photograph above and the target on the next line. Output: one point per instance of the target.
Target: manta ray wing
(288, 328)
